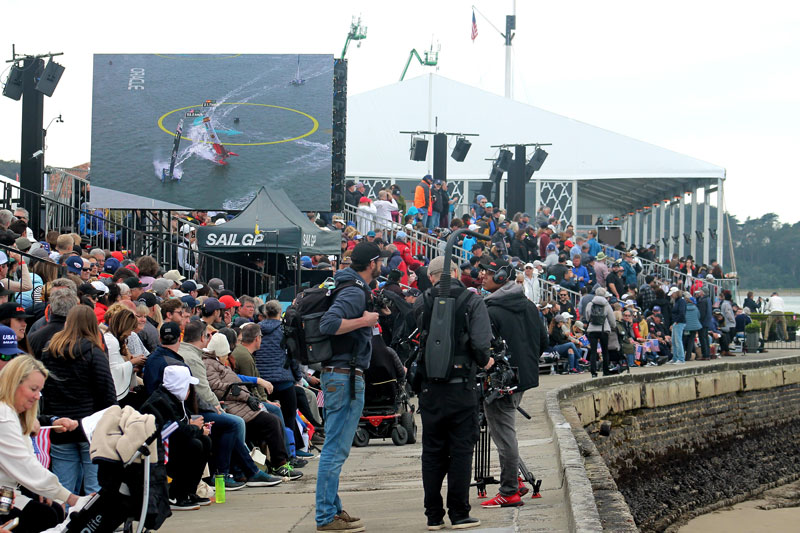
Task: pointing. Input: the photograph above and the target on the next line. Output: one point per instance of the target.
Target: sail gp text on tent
(232, 239)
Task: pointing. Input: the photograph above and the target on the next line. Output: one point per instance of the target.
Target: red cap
(229, 301)
(364, 200)
(118, 256)
(568, 244)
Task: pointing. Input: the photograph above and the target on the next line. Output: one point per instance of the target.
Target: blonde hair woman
(21, 383)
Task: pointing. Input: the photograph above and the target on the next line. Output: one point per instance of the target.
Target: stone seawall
(681, 443)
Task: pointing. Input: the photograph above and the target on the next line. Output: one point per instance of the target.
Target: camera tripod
(482, 465)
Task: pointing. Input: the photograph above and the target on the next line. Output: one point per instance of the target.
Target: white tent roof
(376, 149)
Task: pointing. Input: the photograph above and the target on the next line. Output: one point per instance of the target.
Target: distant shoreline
(768, 291)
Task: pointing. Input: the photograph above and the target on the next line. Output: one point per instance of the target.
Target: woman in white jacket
(530, 282)
(21, 383)
(121, 324)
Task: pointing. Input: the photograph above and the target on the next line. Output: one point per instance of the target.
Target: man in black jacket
(60, 302)
(516, 320)
(450, 407)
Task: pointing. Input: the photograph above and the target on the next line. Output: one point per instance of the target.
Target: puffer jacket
(270, 357)
(692, 317)
(219, 378)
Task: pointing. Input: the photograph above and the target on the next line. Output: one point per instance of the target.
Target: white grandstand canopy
(579, 151)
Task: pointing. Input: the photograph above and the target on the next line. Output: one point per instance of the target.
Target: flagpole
(510, 25)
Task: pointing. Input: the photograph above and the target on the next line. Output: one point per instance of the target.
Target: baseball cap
(161, 286)
(503, 225)
(189, 301)
(229, 301)
(370, 234)
(8, 343)
(174, 275)
(494, 266)
(118, 256)
(489, 204)
(412, 292)
(100, 287)
(74, 264)
(12, 310)
(672, 291)
(559, 318)
(170, 333)
(364, 252)
(551, 227)
(400, 236)
(656, 308)
(133, 283)
(111, 265)
(23, 244)
(216, 284)
(191, 285)
(218, 345)
(466, 264)
(88, 288)
(580, 325)
(148, 298)
(364, 200)
(212, 304)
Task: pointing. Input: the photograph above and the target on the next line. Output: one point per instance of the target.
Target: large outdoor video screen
(207, 131)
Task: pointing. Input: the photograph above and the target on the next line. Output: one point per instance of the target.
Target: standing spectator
(82, 385)
(384, 206)
(594, 246)
(580, 271)
(729, 327)
(693, 326)
(647, 294)
(439, 203)
(398, 197)
(423, 200)
(704, 307)
(600, 322)
(752, 304)
(351, 197)
(776, 309)
(62, 299)
(601, 269)
(678, 325)
(365, 215)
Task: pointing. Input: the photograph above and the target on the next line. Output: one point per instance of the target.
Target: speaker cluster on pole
(419, 149)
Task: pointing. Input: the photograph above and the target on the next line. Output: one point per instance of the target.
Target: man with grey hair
(63, 297)
(100, 255)
(449, 405)
(247, 308)
(6, 218)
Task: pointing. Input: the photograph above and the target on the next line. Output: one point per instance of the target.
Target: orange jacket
(423, 200)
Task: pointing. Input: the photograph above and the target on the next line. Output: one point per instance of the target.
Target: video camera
(502, 378)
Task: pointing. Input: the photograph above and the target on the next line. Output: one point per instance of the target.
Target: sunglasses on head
(6, 357)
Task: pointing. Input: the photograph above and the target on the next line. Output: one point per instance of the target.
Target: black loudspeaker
(461, 149)
(503, 161)
(496, 175)
(419, 149)
(50, 77)
(537, 159)
(13, 88)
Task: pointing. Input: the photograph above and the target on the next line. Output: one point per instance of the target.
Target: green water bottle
(219, 488)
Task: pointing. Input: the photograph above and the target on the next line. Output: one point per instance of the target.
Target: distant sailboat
(297, 81)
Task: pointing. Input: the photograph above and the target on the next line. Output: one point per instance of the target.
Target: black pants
(187, 459)
(304, 408)
(595, 336)
(288, 400)
(35, 517)
(724, 341)
(449, 434)
(268, 429)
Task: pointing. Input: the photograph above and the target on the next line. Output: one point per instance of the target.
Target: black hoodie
(517, 321)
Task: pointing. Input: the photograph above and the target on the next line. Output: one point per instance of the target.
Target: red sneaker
(523, 490)
(503, 501)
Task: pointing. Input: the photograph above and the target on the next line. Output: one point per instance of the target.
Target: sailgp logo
(233, 239)
(309, 239)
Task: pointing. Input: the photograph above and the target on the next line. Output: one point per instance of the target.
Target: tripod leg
(536, 484)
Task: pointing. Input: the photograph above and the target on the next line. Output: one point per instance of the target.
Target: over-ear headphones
(501, 275)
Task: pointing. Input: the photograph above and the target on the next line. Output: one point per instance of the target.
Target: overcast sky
(716, 80)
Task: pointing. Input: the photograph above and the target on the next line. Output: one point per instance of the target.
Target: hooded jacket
(219, 378)
(517, 321)
(405, 252)
(193, 357)
(692, 317)
(349, 303)
(610, 322)
(270, 357)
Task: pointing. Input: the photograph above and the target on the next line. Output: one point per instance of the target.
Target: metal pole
(637, 220)
(671, 228)
(682, 225)
(720, 212)
(706, 223)
(693, 225)
(510, 25)
(662, 230)
(653, 223)
(574, 213)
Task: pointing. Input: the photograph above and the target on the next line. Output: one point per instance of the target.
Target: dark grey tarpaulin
(282, 228)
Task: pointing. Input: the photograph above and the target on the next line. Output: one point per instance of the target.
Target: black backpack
(598, 315)
(302, 338)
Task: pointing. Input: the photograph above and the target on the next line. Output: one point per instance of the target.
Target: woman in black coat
(80, 384)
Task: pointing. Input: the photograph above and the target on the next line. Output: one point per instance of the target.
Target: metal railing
(144, 237)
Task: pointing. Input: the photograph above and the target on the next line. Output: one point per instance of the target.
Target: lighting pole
(508, 36)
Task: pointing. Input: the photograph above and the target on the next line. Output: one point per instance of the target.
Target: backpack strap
(367, 305)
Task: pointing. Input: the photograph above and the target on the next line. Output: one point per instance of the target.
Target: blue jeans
(678, 353)
(563, 349)
(73, 467)
(227, 436)
(341, 422)
(433, 221)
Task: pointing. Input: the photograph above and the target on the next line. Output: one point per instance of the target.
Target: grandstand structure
(652, 194)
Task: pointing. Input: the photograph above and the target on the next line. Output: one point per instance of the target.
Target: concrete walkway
(381, 483)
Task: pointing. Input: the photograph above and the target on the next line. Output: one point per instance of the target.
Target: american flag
(474, 26)
(320, 399)
(41, 446)
(165, 433)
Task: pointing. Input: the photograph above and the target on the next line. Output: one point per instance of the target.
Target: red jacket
(405, 253)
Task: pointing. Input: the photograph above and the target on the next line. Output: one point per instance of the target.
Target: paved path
(381, 483)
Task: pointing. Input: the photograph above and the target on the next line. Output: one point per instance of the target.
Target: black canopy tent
(270, 225)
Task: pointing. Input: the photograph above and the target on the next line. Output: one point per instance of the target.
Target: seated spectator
(189, 445)
(121, 324)
(262, 427)
(21, 383)
(61, 298)
(163, 356)
(81, 385)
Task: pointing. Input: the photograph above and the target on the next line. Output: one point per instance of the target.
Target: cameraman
(450, 408)
(350, 321)
(516, 320)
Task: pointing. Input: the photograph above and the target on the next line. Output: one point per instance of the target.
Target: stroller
(130, 491)
(387, 412)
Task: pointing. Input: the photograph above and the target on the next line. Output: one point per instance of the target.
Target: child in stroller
(387, 413)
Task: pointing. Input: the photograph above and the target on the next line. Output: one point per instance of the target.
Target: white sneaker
(672, 362)
(680, 362)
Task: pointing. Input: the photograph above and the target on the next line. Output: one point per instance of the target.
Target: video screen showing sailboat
(207, 131)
